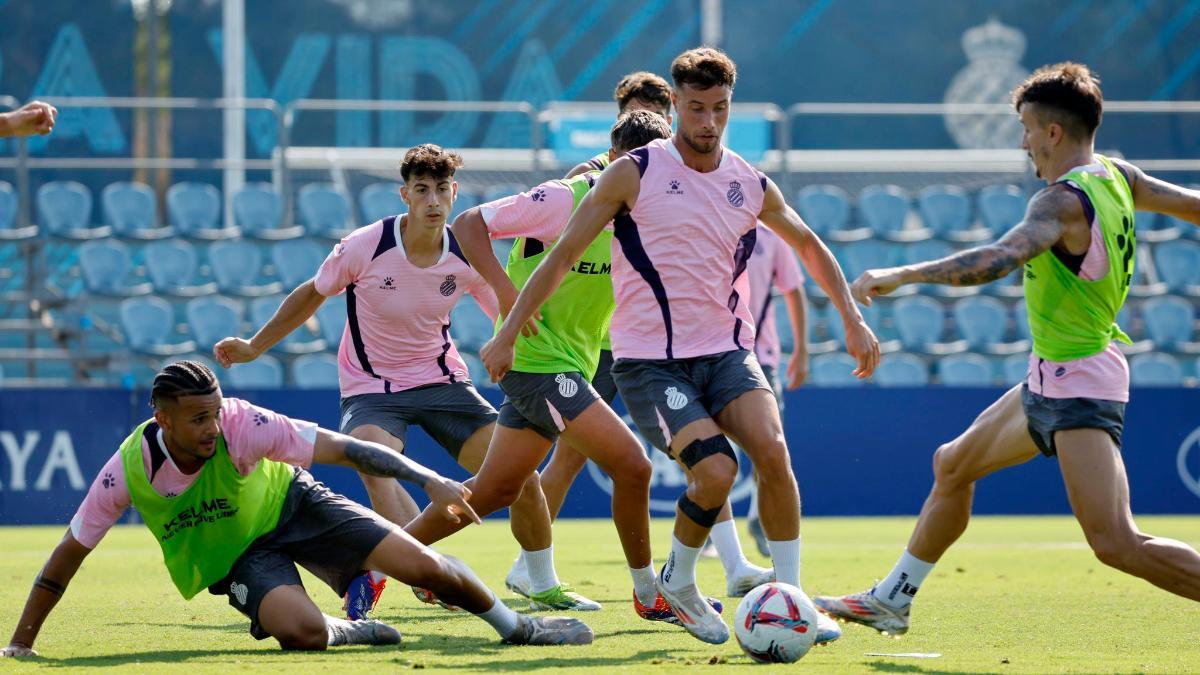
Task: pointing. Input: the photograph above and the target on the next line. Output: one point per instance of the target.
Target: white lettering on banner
(1189, 447)
(60, 457)
(18, 456)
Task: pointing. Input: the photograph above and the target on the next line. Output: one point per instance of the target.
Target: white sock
(643, 584)
(503, 619)
(897, 590)
(334, 629)
(752, 514)
(725, 538)
(680, 570)
(786, 556)
(541, 569)
(519, 566)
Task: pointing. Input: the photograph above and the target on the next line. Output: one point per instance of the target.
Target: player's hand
(497, 356)
(862, 344)
(17, 651)
(233, 350)
(876, 282)
(797, 370)
(507, 298)
(35, 117)
(449, 498)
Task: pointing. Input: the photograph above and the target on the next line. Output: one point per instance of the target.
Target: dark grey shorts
(603, 382)
(450, 413)
(772, 376)
(665, 395)
(1048, 415)
(544, 402)
(320, 530)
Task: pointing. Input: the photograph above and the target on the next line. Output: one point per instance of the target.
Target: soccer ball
(776, 623)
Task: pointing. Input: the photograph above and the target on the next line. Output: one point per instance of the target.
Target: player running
(1077, 244)
(685, 213)
(397, 362)
(222, 485)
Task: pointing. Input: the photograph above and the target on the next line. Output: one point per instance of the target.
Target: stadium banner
(854, 451)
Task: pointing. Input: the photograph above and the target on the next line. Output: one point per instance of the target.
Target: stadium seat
(258, 212)
(861, 256)
(469, 325)
(149, 323)
(1015, 369)
(966, 370)
(1152, 228)
(901, 370)
(107, 268)
(1178, 266)
(213, 318)
(477, 371)
(237, 267)
(1000, 207)
(315, 371)
(1021, 320)
(921, 321)
(946, 211)
(171, 265)
(296, 261)
(933, 249)
(205, 359)
(131, 210)
(826, 209)
(325, 211)
(875, 318)
(380, 200)
(331, 316)
(501, 191)
(9, 208)
(1171, 324)
(195, 212)
(299, 341)
(783, 326)
(884, 209)
(265, 372)
(834, 370)
(465, 200)
(983, 322)
(1155, 370)
(65, 211)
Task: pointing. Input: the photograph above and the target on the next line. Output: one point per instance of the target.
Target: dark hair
(1070, 92)
(429, 160)
(637, 128)
(704, 67)
(642, 86)
(181, 378)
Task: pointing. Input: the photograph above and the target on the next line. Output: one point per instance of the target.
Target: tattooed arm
(1047, 218)
(1152, 194)
(374, 459)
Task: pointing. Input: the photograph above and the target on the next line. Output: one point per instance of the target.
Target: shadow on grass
(530, 658)
(888, 667)
(240, 627)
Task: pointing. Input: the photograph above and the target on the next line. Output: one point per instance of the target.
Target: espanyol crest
(734, 195)
(1189, 452)
(566, 386)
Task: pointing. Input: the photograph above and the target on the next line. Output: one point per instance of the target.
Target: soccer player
(685, 213)
(35, 117)
(1077, 244)
(222, 486)
(397, 363)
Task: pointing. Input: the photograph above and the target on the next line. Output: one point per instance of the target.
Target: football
(776, 623)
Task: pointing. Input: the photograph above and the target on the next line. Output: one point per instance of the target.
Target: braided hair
(182, 378)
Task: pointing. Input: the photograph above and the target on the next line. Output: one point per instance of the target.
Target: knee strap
(699, 449)
(700, 515)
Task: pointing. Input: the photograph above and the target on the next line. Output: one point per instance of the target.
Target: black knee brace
(699, 449)
(701, 516)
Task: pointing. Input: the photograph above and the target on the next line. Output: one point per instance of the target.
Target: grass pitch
(1016, 595)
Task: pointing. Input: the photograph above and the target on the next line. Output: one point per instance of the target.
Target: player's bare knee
(1118, 550)
(635, 469)
(305, 634)
(949, 471)
(773, 461)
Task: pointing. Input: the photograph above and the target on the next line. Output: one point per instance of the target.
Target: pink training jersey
(540, 213)
(397, 332)
(773, 266)
(251, 435)
(679, 257)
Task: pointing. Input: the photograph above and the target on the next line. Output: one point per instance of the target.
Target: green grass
(1016, 595)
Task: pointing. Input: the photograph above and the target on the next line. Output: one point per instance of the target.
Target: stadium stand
(380, 200)
(315, 371)
(966, 370)
(325, 211)
(902, 370)
(265, 372)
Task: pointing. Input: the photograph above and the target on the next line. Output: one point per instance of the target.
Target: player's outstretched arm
(615, 189)
(861, 342)
(48, 588)
(35, 117)
(296, 308)
(1046, 218)
(1153, 194)
(448, 497)
(471, 231)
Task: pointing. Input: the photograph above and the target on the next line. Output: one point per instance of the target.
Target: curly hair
(1070, 92)
(431, 161)
(704, 67)
(642, 86)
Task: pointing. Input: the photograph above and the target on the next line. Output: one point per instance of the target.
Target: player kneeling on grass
(222, 485)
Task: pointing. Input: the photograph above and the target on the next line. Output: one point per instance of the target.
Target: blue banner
(854, 452)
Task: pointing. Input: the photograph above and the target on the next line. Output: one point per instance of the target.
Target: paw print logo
(259, 419)
(674, 185)
(170, 495)
(539, 195)
(387, 281)
(108, 481)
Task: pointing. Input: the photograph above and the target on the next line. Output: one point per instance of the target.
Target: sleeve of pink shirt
(106, 501)
(485, 296)
(253, 433)
(788, 276)
(346, 261)
(541, 213)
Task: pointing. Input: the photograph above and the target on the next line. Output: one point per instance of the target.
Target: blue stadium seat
(946, 211)
(265, 372)
(331, 316)
(966, 370)
(477, 371)
(1178, 266)
(296, 261)
(470, 327)
(325, 211)
(65, 211)
(380, 200)
(299, 341)
(131, 210)
(1155, 370)
(107, 268)
(875, 318)
(1171, 324)
(195, 211)
(861, 256)
(783, 324)
(205, 359)
(1001, 207)
(149, 324)
(1015, 369)
(933, 249)
(834, 370)
(884, 209)
(465, 200)
(983, 322)
(825, 208)
(1021, 321)
(9, 209)
(315, 371)
(171, 265)
(921, 321)
(212, 319)
(1152, 228)
(237, 268)
(258, 211)
(901, 370)
(500, 191)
